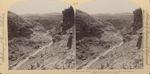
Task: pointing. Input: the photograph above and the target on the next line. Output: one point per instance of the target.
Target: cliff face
(138, 20)
(137, 26)
(68, 18)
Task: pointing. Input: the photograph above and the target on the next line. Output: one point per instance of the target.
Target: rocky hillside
(120, 21)
(18, 27)
(49, 21)
(87, 25)
(104, 40)
(49, 45)
(25, 37)
(93, 37)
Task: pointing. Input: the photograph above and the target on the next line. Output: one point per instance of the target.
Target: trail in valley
(28, 58)
(105, 53)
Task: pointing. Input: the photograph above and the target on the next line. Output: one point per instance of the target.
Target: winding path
(28, 58)
(105, 53)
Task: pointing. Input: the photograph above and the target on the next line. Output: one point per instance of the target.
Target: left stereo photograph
(41, 35)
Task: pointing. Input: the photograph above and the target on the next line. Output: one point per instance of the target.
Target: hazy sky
(96, 6)
(38, 6)
(109, 6)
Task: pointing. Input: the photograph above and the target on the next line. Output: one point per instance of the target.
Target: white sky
(109, 6)
(50, 6)
(39, 6)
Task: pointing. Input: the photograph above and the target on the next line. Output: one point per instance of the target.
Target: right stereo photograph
(109, 35)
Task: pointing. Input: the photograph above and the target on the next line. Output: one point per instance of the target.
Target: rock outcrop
(68, 19)
(138, 20)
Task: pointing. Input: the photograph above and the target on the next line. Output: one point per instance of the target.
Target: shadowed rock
(68, 19)
(87, 25)
(17, 26)
(138, 20)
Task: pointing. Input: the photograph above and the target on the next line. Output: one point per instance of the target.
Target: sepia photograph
(52, 35)
(109, 35)
(40, 35)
